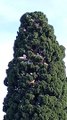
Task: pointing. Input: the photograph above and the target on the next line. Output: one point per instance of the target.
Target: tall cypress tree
(36, 78)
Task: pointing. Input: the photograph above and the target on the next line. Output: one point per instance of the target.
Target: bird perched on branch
(45, 64)
(24, 30)
(32, 82)
(22, 57)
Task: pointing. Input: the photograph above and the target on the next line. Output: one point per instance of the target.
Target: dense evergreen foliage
(36, 79)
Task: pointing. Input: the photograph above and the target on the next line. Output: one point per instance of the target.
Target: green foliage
(36, 79)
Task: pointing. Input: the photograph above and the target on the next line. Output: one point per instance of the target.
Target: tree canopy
(36, 78)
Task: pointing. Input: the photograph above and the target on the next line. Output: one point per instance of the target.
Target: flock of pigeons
(24, 57)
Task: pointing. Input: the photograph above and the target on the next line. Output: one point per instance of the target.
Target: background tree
(36, 79)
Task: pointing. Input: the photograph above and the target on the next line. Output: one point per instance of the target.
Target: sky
(10, 13)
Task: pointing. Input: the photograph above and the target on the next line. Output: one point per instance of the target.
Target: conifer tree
(36, 78)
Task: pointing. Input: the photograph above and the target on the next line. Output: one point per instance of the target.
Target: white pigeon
(32, 82)
(22, 57)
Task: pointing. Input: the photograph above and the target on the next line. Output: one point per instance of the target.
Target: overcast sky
(10, 13)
